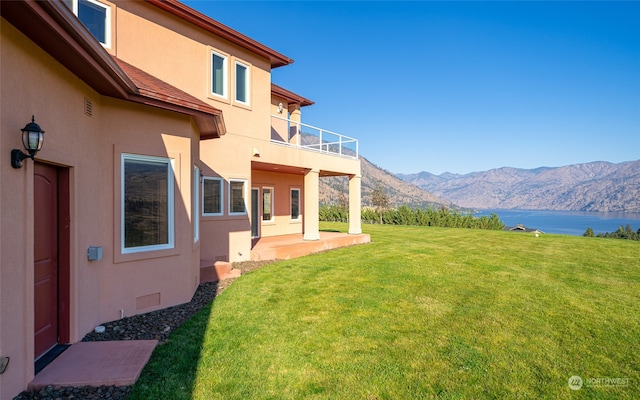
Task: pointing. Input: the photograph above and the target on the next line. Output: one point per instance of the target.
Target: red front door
(46, 263)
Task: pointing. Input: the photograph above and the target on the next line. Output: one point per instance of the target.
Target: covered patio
(285, 247)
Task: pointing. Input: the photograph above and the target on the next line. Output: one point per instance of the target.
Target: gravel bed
(153, 325)
(156, 324)
(78, 393)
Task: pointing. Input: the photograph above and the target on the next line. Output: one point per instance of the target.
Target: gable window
(242, 83)
(237, 195)
(95, 16)
(218, 74)
(267, 204)
(295, 204)
(147, 203)
(212, 196)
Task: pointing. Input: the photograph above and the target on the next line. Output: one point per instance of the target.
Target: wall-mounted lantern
(32, 139)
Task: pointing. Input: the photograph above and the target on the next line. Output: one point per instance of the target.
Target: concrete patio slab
(286, 247)
(116, 363)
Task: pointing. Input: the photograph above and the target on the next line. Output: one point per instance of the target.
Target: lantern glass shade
(32, 137)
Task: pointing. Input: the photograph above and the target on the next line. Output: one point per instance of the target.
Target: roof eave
(202, 21)
(211, 126)
(290, 96)
(64, 37)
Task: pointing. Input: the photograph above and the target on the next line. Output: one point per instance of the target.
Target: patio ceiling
(289, 169)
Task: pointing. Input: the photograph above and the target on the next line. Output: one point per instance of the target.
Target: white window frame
(170, 204)
(107, 22)
(273, 197)
(221, 181)
(299, 203)
(225, 75)
(244, 195)
(247, 75)
(195, 213)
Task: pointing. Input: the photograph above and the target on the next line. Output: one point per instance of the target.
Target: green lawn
(419, 313)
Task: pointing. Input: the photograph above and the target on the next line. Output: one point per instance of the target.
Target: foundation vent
(150, 300)
(88, 107)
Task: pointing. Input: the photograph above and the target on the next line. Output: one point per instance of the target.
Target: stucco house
(166, 145)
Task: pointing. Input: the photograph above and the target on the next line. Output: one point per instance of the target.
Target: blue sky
(459, 86)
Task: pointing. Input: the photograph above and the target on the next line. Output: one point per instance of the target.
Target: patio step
(96, 364)
(215, 271)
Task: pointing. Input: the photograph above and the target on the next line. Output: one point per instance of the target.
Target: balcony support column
(311, 213)
(355, 220)
(295, 116)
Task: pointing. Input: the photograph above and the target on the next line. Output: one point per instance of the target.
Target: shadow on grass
(172, 369)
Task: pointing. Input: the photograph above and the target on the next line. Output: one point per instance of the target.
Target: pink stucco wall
(281, 185)
(89, 147)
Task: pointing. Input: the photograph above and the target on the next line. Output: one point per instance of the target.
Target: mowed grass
(419, 313)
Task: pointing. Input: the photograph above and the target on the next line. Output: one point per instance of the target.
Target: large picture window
(95, 16)
(237, 194)
(147, 203)
(295, 204)
(242, 83)
(218, 74)
(212, 196)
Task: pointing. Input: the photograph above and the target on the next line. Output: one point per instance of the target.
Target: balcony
(296, 134)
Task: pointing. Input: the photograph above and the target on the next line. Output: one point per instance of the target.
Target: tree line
(622, 233)
(381, 213)
(405, 215)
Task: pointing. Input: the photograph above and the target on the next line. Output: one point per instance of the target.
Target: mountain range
(333, 190)
(595, 186)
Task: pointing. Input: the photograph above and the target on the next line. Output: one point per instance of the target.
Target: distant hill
(595, 186)
(400, 192)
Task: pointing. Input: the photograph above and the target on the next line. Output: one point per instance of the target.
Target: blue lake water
(567, 222)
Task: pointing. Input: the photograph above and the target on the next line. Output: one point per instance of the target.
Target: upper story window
(147, 203)
(230, 79)
(242, 83)
(95, 16)
(218, 74)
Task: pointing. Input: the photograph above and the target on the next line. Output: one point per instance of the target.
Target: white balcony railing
(303, 136)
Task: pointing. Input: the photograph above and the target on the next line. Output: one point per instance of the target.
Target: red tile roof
(150, 86)
(52, 26)
(62, 35)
